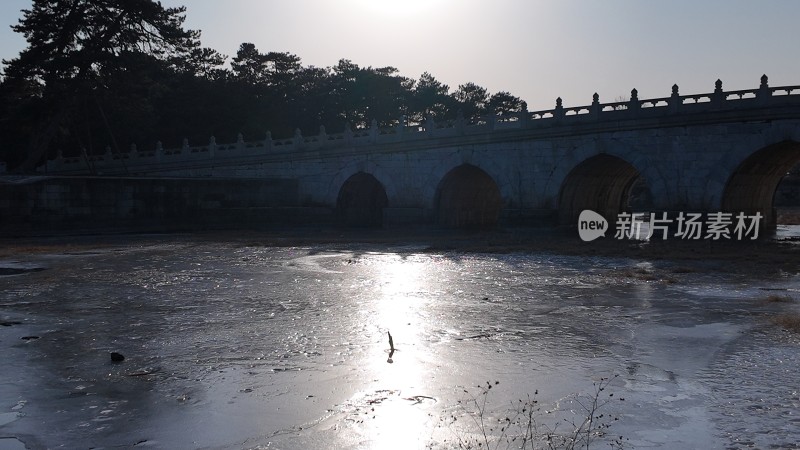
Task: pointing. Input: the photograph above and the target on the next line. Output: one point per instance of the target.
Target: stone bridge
(719, 151)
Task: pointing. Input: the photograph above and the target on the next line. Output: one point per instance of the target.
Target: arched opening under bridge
(605, 184)
(467, 197)
(754, 186)
(361, 201)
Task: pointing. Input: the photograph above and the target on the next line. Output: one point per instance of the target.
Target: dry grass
(530, 425)
(775, 298)
(789, 321)
(22, 247)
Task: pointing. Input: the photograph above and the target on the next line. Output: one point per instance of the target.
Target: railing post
(348, 133)
(675, 100)
(719, 95)
(430, 126)
(373, 130)
(298, 138)
(60, 156)
(323, 135)
(268, 141)
(212, 146)
(523, 115)
(595, 111)
(159, 151)
(460, 121)
(401, 126)
(558, 112)
(764, 92)
(633, 104)
(185, 146)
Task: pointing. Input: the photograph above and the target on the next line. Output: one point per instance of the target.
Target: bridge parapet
(595, 117)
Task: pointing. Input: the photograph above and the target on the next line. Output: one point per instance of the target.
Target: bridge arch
(602, 183)
(467, 197)
(361, 201)
(752, 185)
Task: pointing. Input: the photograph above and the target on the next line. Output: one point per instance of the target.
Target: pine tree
(79, 50)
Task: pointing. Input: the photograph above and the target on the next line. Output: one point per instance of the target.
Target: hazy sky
(536, 50)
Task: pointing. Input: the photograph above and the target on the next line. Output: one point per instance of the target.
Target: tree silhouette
(100, 74)
(78, 50)
(503, 104)
(472, 100)
(430, 99)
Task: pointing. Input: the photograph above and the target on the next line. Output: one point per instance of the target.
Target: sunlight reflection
(401, 413)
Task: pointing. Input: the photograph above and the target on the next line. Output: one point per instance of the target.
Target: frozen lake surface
(229, 345)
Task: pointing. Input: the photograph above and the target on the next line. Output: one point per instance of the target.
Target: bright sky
(537, 50)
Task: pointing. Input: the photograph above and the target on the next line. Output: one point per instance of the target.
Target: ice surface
(235, 346)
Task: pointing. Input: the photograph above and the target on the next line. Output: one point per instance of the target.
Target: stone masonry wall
(46, 205)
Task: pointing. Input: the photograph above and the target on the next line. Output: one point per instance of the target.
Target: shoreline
(762, 255)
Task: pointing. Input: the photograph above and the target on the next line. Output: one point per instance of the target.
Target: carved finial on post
(240, 138)
(523, 115)
(212, 146)
(430, 125)
(633, 104)
(348, 133)
(268, 140)
(675, 99)
(492, 122)
(159, 150)
(401, 126)
(595, 109)
(298, 138)
(322, 138)
(719, 96)
(764, 92)
(373, 130)
(558, 113)
(185, 144)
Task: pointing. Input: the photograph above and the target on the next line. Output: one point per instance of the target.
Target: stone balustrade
(595, 113)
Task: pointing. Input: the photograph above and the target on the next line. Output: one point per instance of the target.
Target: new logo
(591, 225)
